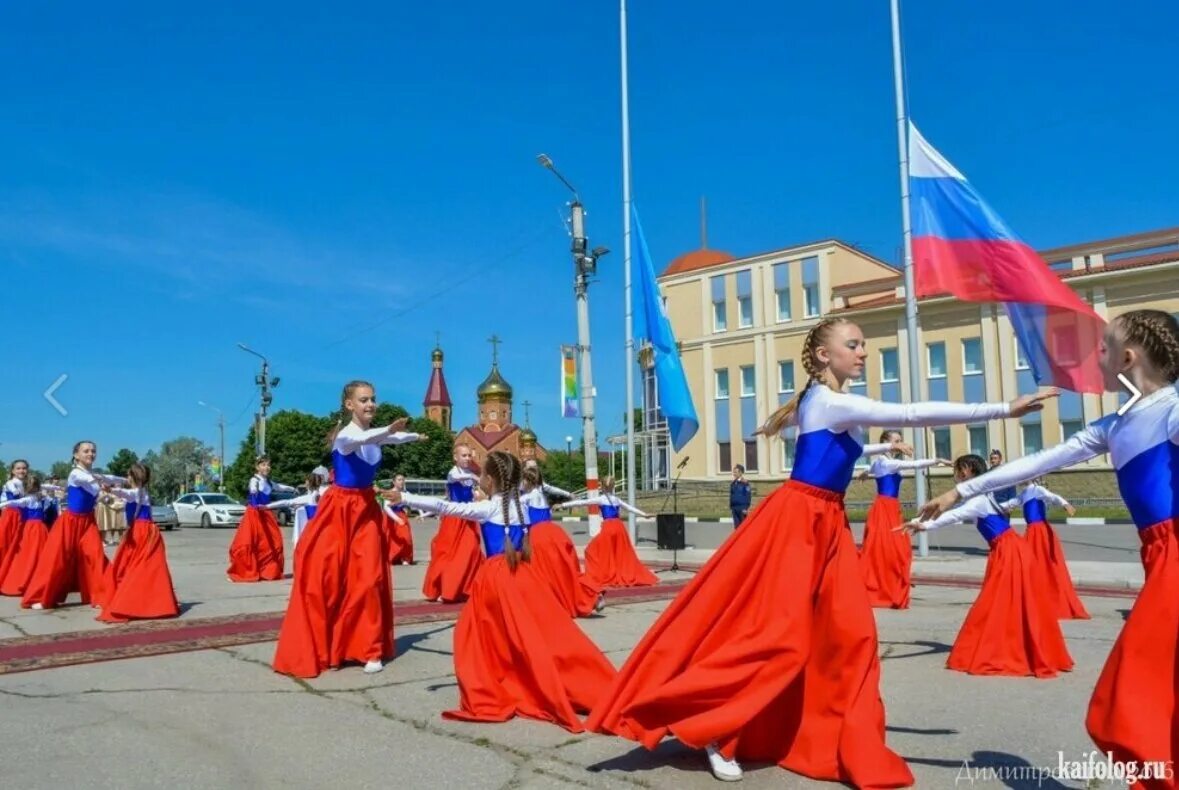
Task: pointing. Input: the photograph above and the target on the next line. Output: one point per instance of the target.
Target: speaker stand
(675, 508)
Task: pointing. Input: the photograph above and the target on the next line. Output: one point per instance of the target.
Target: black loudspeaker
(670, 531)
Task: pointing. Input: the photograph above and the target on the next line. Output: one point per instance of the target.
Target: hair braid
(815, 372)
(1157, 333)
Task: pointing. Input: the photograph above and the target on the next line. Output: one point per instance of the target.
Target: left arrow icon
(48, 394)
(1135, 394)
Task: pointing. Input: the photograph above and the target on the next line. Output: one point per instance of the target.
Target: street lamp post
(221, 426)
(569, 446)
(585, 265)
(264, 382)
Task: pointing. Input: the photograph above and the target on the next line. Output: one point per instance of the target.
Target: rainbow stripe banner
(570, 395)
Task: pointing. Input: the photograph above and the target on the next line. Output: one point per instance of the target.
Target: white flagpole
(907, 232)
(630, 337)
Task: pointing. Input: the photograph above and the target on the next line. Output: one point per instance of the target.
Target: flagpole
(907, 233)
(630, 337)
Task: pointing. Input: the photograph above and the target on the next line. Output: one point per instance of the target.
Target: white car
(207, 509)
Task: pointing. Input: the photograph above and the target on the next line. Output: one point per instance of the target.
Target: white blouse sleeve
(916, 463)
(349, 444)
(254, 484)
(126, 494)
(1081, 446)
(485, 510)
(970, 510)
(282, 488)
(588, 502)
(554, 491)
(456, 475)
(296, 501)
(24, 501)
(622, 504)
(848, 411)
(1052, 497)
(875, 449)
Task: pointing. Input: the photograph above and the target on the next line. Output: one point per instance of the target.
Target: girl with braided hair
(516, 650)
(770, 652)
(1133, 709)
(454, 551)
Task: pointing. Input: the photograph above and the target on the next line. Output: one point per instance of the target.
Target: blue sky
(333, 185)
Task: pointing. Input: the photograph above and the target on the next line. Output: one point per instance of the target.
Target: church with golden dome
(495, 429)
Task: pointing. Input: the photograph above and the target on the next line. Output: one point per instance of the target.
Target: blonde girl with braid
(1133, 709)
(341, 605)
(517, 652)
(770, 653)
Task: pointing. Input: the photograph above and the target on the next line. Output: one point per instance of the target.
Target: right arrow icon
(1135, 394)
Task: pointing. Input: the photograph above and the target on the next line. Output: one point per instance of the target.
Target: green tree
(61, 470)
(120, 463)
(3, 471)
(429, 460)
(565, 470)
(296, 443)
(174, 466)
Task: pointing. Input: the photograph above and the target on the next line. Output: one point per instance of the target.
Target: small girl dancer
(10, 519)
(454, 552)
(516, 650)
(341, 605)
(304, 504)
(256, 553)
(610, 558)
(554, 556)
(20, 562)
(399, 530)
(1045, 547)
(886, 556)
(139, 584)
(1011, 629)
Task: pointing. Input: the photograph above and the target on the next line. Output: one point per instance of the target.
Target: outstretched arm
(622, 504)
(587, 502)
(473, 511)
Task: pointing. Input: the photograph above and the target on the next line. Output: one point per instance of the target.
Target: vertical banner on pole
(570, 396)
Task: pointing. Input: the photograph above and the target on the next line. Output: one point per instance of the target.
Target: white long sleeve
(25, 501)
(875, 449)
(457, 475)
(282, 488)
(552, 490)
(80, 478)
(348, 442)
(255, 484)
(310, 498)
(887, 466)
(486, 510)
(1041, 492)
(970, 510)
(850, 411)
(604, 499)
(1081, 446)
(136, 495)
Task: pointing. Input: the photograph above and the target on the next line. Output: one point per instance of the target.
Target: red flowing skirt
(139, 584)
(769, 652)
(554, 559)
(455, 557)
(886, 556)
(1011, 629)
(611, 561)
(341, 606)
(10, 521)
(21, 563)
(1048, 558)
(399, 536)
(256, 552)
(518, 653)
(1132, 712)
(71, 560)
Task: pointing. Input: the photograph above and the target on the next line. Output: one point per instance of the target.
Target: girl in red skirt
(19, 563)
(554, 556)
(1011, 629)
(399, 529)
(770, 652)
(139, 584)
(304, 505)
(1133, 710)
(516, 650)
(454, 552)
(72, 558)
(886, 556)
(256, 554)
(1045, 547)
(610, 558)
(341, 606)
(10, 519)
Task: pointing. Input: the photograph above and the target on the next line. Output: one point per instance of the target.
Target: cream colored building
(741, 323)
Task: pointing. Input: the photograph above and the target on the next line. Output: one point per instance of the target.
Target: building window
(782, 290)
(890, 365)
(810, 287)
(725, 453)
(788, 444)
(1069, 427)
(1021, 360)
(745, 298)
(1033, 438)
(978, 440)
(719, 320)
(786, 376)
(941, 443)
(972, 358)
(722, 383)
(750, 456)
(935, 354)
(748, 382)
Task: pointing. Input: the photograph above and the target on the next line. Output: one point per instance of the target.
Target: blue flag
(675, 401)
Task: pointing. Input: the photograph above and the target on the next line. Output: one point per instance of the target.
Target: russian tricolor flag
(963, 248)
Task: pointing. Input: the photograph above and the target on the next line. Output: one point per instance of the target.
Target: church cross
(494, 341)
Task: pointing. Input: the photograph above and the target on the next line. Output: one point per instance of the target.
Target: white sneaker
(37, 607)
(373, 667)
(601, 604)
(723, 769)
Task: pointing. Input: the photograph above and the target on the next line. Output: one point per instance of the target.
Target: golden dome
(527, 437)
(436, 355)
(494, 386)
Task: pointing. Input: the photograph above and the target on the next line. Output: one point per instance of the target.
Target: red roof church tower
(437, 401)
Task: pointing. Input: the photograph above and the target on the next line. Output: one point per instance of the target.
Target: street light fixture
(221, 425)
(265, 383)
(569, 446)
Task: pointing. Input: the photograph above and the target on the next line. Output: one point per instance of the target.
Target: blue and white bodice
(887, 471)
(82, 488)
(138, 503)
(488, 512)
(1034, 499)
(1143, 445)
(991, 518)
(610, 505)
(356, 453)
(537, 502)
(460, 484)
(31, 506)
(260, 490)
(831, 429)
(13, 489)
